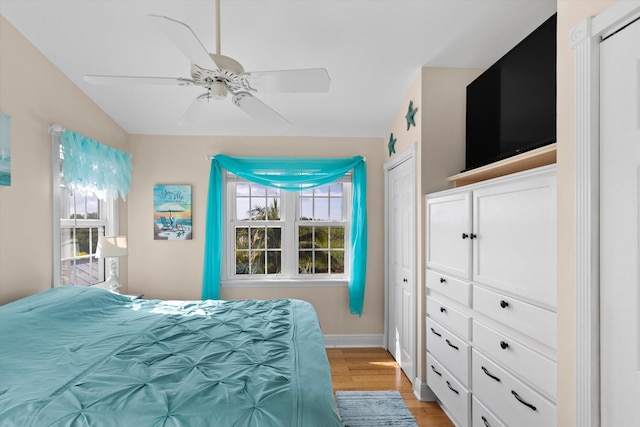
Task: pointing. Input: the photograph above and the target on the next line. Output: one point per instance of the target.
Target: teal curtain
(290, 174)
(90, 167)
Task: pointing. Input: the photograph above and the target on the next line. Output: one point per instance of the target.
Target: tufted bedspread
(74, 356)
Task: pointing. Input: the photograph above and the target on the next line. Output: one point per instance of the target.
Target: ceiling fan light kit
(221, 75)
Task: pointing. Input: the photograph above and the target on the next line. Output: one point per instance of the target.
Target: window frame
(108, 218)
(289, 223)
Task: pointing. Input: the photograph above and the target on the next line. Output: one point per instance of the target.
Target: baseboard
(422, 392)
(366, 340)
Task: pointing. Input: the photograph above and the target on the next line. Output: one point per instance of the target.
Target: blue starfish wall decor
(392, 144)
(410, 115)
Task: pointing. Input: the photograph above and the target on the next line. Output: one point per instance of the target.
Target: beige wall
(173, 269)
(570, 14)
(35, 94)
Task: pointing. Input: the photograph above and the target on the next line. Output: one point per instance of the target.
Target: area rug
(374, 408)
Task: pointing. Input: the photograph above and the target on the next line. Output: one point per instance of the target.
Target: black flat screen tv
(511, 107)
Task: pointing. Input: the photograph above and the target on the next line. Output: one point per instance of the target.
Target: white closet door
(619, 228)
(402, 259)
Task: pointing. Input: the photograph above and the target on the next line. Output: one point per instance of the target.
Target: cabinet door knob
(443, 310)
(503, 345)
(465, 235)
(405, 280)
(473, 236)
(504, 304)
(442, 280)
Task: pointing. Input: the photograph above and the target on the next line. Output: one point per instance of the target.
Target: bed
(76, 356)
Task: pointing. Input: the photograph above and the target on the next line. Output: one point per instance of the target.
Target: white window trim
(290, 209)
(109, 207)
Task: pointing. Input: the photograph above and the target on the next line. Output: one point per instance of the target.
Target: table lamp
(112, 247)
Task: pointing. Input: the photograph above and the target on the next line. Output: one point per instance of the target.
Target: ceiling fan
(222, 75)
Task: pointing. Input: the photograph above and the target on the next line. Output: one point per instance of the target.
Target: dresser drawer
(483, 417)
(451, 351)
(449, 317)
(536, 322)
(533, 367)
(453, 395)
(515, 403)
(455, 289)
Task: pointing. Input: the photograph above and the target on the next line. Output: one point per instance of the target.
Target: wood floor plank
(374, 369)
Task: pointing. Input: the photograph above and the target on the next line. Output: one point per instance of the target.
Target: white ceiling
(372, 49)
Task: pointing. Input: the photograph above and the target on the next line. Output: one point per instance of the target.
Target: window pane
(242, 238)
(305, 262)
(242, 189)
(257, 262)
(93, 207)
(336, 189)
(321, 209)
(322, 191)
(242, 262)
(242, 208)
(335, 212)
(306, 208)
(273, 208)
(258, 190)
(337, 237)
(274, 261)
(67, 243)
(337, 262)
(321, 237)
(321, 262)
(274, 238)
(258, 209)
(258, 238)
(305, 237)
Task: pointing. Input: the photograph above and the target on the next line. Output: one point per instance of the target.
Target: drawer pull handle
(433, 368)
(504, 304)
(443, 310)
(484, 420)
(527, 404)
(451, 388)
(504, 345)
(451, 345)
(442, 280)
(465, 235)
(473, 236)
(489, 374)
(435, 333)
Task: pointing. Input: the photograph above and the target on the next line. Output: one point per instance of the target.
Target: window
(78, 221)
(274, 234)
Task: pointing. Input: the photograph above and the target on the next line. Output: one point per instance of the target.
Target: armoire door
(448, 223)
(401, 269)
(619, 228)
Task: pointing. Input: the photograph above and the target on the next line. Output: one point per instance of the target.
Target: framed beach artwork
(172, 212)
(5, 149)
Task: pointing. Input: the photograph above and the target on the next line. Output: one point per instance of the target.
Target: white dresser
(491, 300)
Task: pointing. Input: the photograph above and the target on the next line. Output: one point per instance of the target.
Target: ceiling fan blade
(306, 80)
(197, 111)
(186, 40)
(135, 80)
(261, 112)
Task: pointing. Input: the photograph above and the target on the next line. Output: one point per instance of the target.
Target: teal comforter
(77, 356)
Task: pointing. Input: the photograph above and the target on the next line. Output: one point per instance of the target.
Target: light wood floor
(375, 369)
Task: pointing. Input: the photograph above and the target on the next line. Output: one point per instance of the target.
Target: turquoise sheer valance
(292, 174)
(90, 167)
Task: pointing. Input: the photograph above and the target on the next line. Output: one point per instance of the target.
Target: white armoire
(491, 300)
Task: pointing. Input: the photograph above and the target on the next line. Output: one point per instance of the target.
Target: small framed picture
(172, 212)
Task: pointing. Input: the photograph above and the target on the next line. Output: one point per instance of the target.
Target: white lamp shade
(112, 246)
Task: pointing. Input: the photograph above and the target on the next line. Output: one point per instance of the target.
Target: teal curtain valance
(292, 174)
(90, 167)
